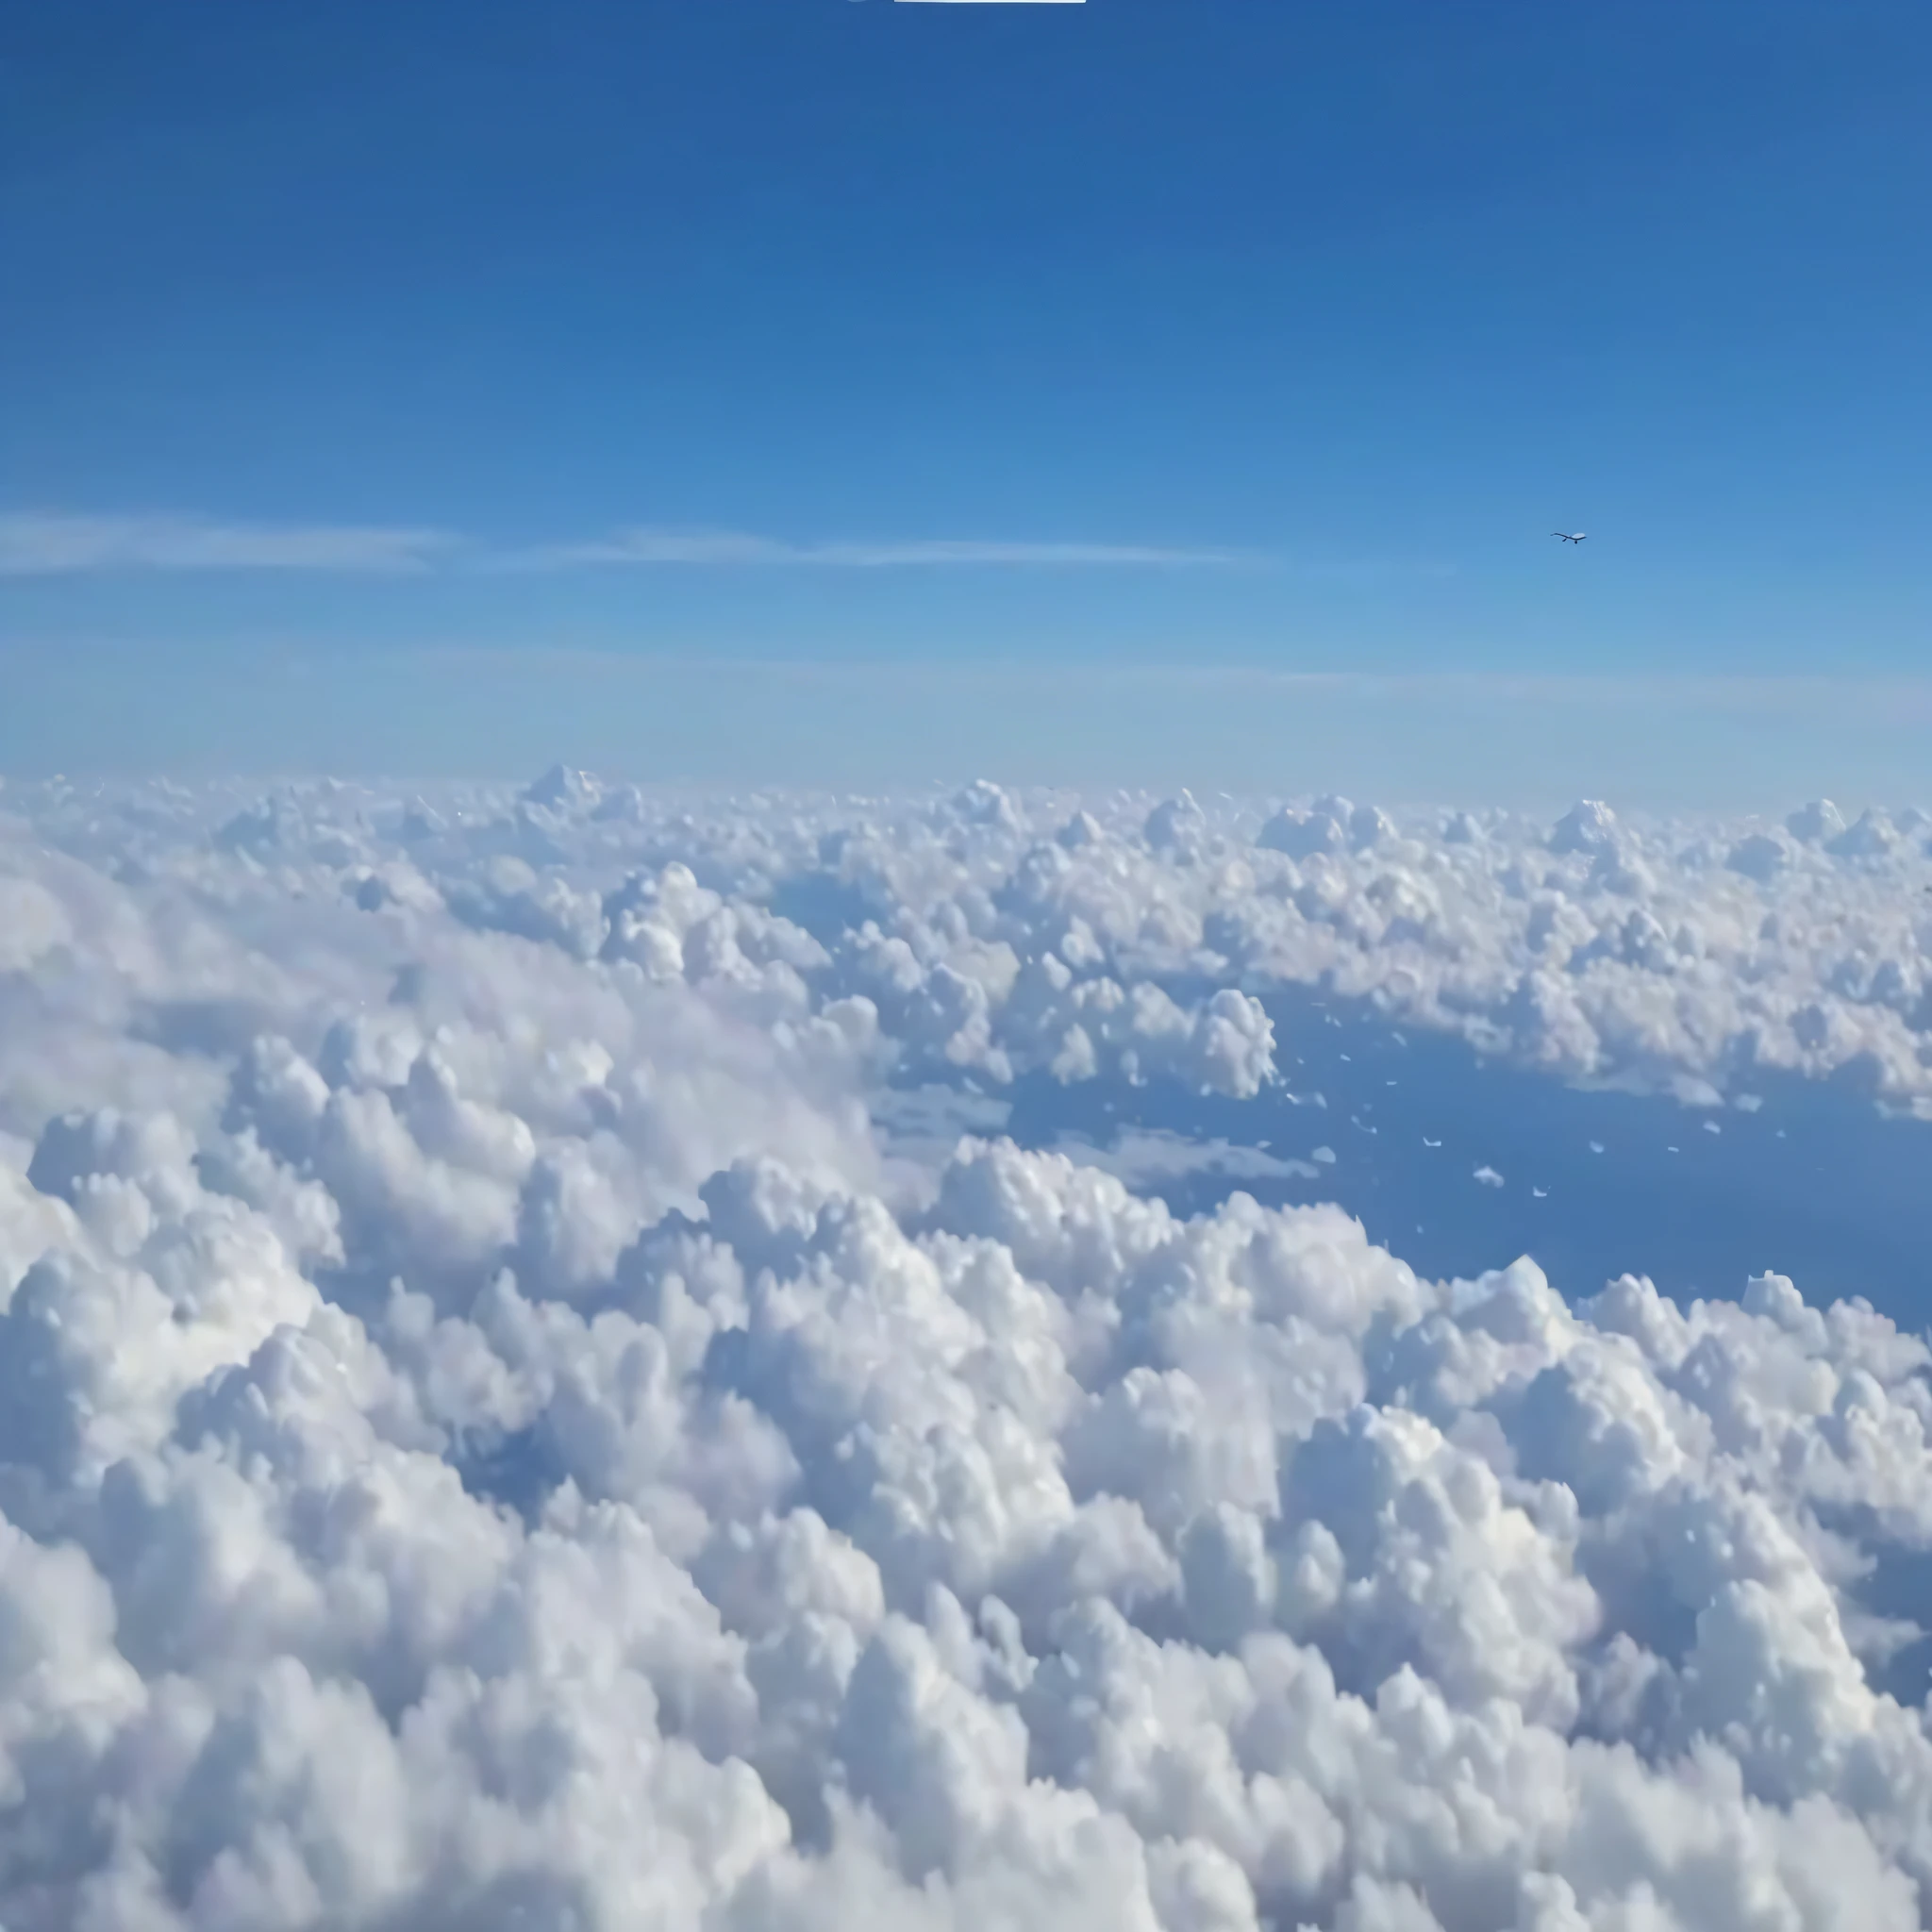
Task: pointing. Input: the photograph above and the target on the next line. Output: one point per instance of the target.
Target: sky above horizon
(961, 350)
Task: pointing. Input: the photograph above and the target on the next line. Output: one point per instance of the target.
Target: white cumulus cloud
(497, 1431)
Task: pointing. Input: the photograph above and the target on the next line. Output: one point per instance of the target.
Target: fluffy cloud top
(490, 1437)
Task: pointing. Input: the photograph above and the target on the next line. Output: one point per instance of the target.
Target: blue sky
(424, 360)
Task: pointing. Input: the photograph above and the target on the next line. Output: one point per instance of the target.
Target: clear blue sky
(346, 345)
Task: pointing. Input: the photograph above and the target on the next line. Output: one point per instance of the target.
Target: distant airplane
(1567, 538)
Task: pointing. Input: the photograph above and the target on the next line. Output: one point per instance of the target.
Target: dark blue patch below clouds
(1816, 1183)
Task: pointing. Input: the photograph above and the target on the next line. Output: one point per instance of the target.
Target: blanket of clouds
(499, 1429)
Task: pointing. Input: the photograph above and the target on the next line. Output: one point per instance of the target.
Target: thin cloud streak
(1866, 699)
(53, 543)
(734, 548)
(34, 543)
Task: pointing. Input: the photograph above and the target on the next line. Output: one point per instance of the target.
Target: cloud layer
(495, 1435)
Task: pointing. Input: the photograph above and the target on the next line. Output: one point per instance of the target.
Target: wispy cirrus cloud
(53, 543)
(58, 543)
(726, 548)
